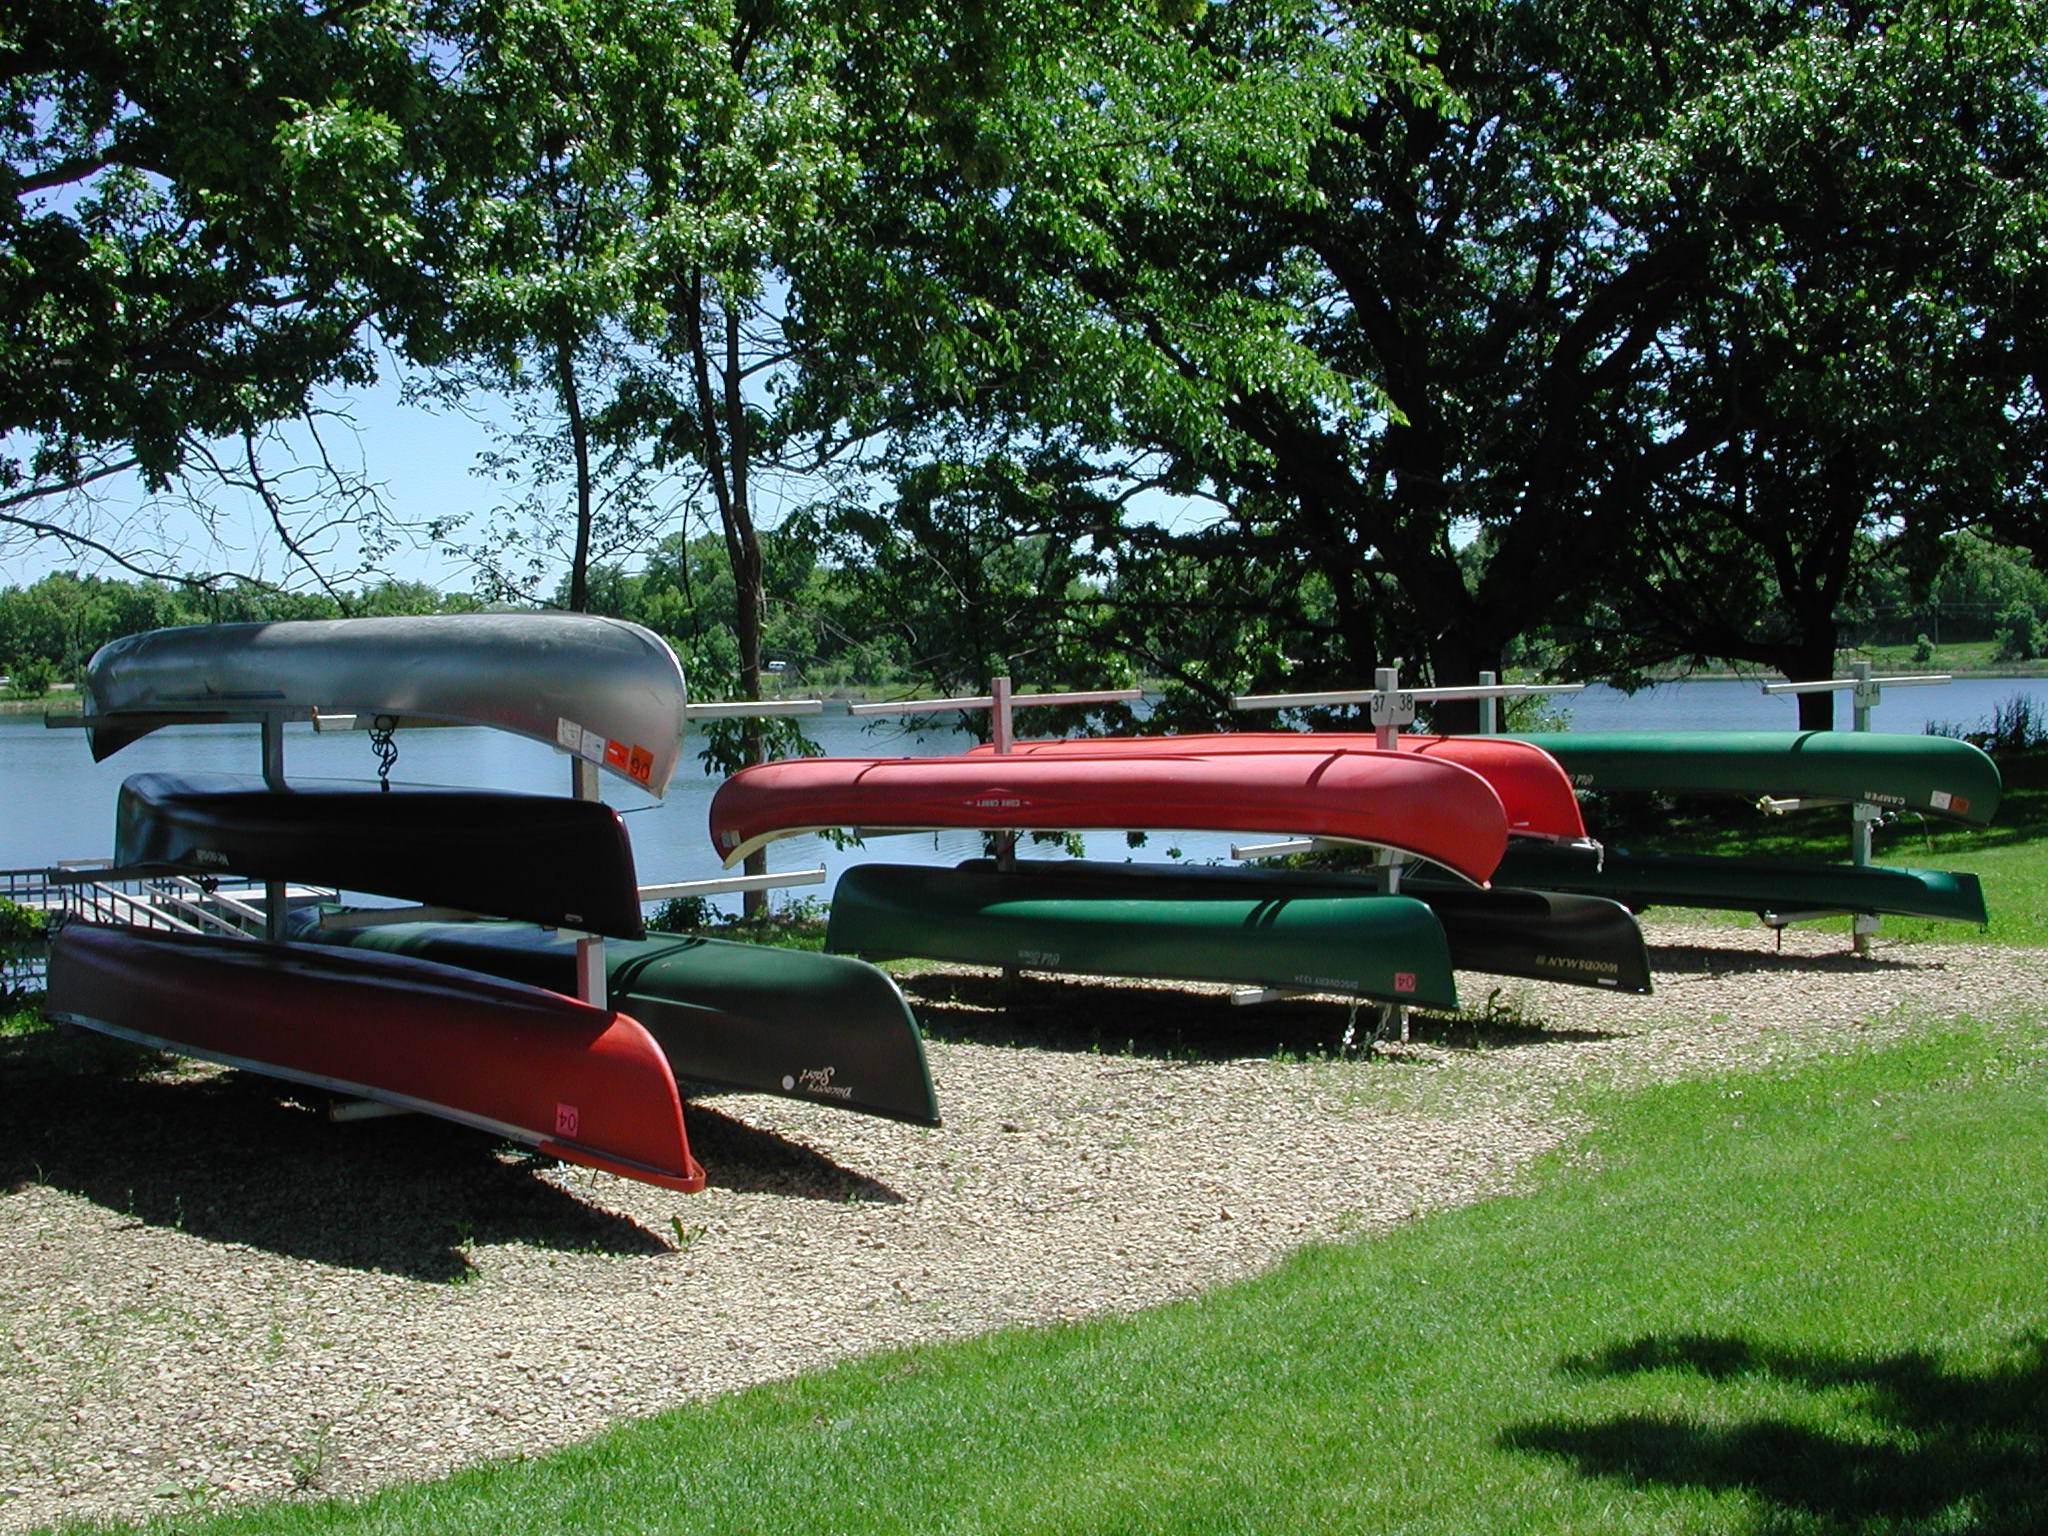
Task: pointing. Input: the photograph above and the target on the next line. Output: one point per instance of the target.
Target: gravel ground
(213, 1294)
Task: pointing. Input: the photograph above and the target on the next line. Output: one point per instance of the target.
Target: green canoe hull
(1099, 921)
(1932, 774)
(1650, 879)
(1539, 935)
(820, 1028)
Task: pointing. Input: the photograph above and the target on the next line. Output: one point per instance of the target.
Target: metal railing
(165, 903)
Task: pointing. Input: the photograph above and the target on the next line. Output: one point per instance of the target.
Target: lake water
(56, 803)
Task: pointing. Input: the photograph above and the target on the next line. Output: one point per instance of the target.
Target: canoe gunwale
(755, 844)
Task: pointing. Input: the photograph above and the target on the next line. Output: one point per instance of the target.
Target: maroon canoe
(1534, 791)
(1413, 804)
(584, 1084)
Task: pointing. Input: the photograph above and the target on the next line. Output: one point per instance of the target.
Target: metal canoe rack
(584, 785)
(1002, 701)
(1391, 707)
(1866, 692)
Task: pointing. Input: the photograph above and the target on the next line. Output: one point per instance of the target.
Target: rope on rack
(384, 743)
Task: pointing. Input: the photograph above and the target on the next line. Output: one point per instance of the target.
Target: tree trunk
(571, 397)
(1816, 711)
(1812, 660)
(726, 452)
(1456, 662)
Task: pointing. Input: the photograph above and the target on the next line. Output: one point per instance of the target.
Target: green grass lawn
(1804, 1302)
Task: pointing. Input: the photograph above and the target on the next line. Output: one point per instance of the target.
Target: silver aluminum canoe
(602, 688)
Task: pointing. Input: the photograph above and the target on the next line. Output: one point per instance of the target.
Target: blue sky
(422, 461)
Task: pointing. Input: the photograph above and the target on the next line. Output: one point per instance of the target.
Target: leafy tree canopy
(203, 205)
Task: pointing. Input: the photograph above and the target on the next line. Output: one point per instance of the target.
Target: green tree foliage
(1497, 317)
(986, 568)
(2019, 633)
(202, 208)
(1368, 328)
(59, 621)
(1593, 334)
(584, 109)
(55, 624)
(671, 202)
(1869, 333)
(1978, 580)
(31, 679)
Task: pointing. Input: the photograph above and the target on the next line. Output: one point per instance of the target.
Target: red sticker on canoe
(640, 766)
(615, 755)
(1404, 981)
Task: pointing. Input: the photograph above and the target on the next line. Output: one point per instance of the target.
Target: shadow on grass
(1097, 1016)
(236, 1158)
(1955, 1450)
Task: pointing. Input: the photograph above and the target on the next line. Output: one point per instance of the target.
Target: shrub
(2015, 726)
(2018, 633)
(684, 914)
(18, 924)
(31, 679)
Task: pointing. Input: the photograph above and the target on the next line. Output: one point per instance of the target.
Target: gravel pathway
(213, 1294)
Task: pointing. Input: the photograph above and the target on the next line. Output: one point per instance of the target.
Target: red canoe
(1534, 791)
(581, 1083)
(1416, 805)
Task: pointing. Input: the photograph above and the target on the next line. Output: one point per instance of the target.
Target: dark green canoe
(1934, 774)
(1541, 935)
(822, 1028)
(1649, 879)
(1098, 921)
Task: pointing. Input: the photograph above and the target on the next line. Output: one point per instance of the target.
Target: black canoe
(1763, 886)
(540, 858)
(1583, 941)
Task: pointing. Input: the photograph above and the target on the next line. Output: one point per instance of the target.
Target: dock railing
(166, 903)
